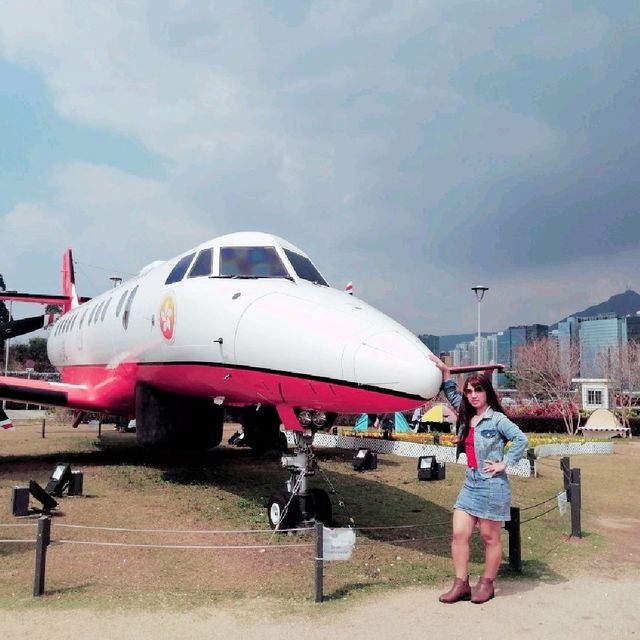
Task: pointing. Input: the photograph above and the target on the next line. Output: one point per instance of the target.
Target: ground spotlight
(59, 480)
(430, 469)
(365, 460)
(42, 496)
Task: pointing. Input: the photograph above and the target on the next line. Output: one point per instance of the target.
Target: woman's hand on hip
(494, 468)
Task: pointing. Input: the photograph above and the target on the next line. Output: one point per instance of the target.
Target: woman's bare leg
(490, 534)
(463, 524)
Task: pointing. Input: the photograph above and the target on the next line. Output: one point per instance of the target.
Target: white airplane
(244, 320)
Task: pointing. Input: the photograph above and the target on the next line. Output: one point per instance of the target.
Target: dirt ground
(582, 608)
(599, 602)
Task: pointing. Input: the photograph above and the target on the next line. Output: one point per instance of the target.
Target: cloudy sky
(414, 147)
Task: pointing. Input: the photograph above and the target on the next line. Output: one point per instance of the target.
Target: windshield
(251, 262)
(304, 268)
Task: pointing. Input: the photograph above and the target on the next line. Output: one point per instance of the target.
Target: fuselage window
(84, 313)
(98, 310)
(304, 268)
(177, 273)
(104, 310)
(202, 264)
(121, 302)
(252, 262)
(127, 308)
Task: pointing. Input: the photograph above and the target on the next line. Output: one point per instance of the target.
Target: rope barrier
(182, 546)
(533, 506)
(34, 524)
(538, 516)
(403, 526)
(3, 541)
(183, 531)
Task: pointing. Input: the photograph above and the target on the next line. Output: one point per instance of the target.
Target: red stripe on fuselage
(114, 389)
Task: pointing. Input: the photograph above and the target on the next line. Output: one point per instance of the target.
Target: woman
(485, 498)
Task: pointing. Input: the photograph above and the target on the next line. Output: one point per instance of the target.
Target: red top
(470, 449)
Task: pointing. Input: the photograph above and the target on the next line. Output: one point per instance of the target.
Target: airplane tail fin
(68, 283)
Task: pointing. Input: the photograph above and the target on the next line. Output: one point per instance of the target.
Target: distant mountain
(622, 304)
(449, 342)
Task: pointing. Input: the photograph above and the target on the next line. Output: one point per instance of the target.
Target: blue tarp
(400, 423)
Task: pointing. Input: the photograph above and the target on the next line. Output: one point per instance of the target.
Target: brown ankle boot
(459, 591)
(483, 591)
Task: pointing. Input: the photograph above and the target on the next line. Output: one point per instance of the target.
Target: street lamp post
(479, 290)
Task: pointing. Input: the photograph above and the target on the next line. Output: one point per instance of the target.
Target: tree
(35, 349)
(622, 368)
(542, 374)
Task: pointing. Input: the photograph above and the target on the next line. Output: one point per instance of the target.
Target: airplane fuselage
(230, 330)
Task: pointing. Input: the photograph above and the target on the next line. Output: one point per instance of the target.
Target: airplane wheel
(276, 508)
(321, 506)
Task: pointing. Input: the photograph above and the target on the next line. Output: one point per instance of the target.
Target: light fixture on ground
(59, 480)
(365, 460)
(479, 290)
(430, 469)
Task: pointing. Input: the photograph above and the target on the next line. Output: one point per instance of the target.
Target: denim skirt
(486, 498)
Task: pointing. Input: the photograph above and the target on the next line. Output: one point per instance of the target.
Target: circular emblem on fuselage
(168, 317)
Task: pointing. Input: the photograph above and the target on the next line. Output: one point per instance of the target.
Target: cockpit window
(251, 262)
(202, 264)
(304, 268)
(177, 273)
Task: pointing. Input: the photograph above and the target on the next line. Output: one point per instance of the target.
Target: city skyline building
(432, 342)
(602, 339)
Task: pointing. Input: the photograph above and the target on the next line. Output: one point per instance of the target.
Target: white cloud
(110, 218)
(364, 132)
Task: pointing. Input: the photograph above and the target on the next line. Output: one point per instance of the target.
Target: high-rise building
(633, 328)
(535, 332)
(432, 342)
(568, 342)
(602, 339)
(503, 354)
(462, 354)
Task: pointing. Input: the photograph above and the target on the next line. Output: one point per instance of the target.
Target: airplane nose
(393, 361)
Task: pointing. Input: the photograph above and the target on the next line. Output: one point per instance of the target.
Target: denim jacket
(491, 434)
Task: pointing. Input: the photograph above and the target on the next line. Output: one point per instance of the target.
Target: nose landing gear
(299, 505)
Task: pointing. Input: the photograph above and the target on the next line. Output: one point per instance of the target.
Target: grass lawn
(403, 524)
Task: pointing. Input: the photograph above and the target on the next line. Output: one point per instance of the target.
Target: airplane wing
(41, 298)
(57, 394)
(468, 368)
(15, 328)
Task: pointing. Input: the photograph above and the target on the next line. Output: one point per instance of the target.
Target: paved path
(582, 608)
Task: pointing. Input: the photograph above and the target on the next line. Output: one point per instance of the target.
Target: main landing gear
(299, 505)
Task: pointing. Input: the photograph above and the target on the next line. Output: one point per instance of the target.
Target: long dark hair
(465, 410)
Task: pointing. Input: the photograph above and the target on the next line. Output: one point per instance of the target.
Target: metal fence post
(319, 562)
(515, 544)
(42, 541)
(575, 494)
(566, 475)
(531, 457)
(44, 424)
